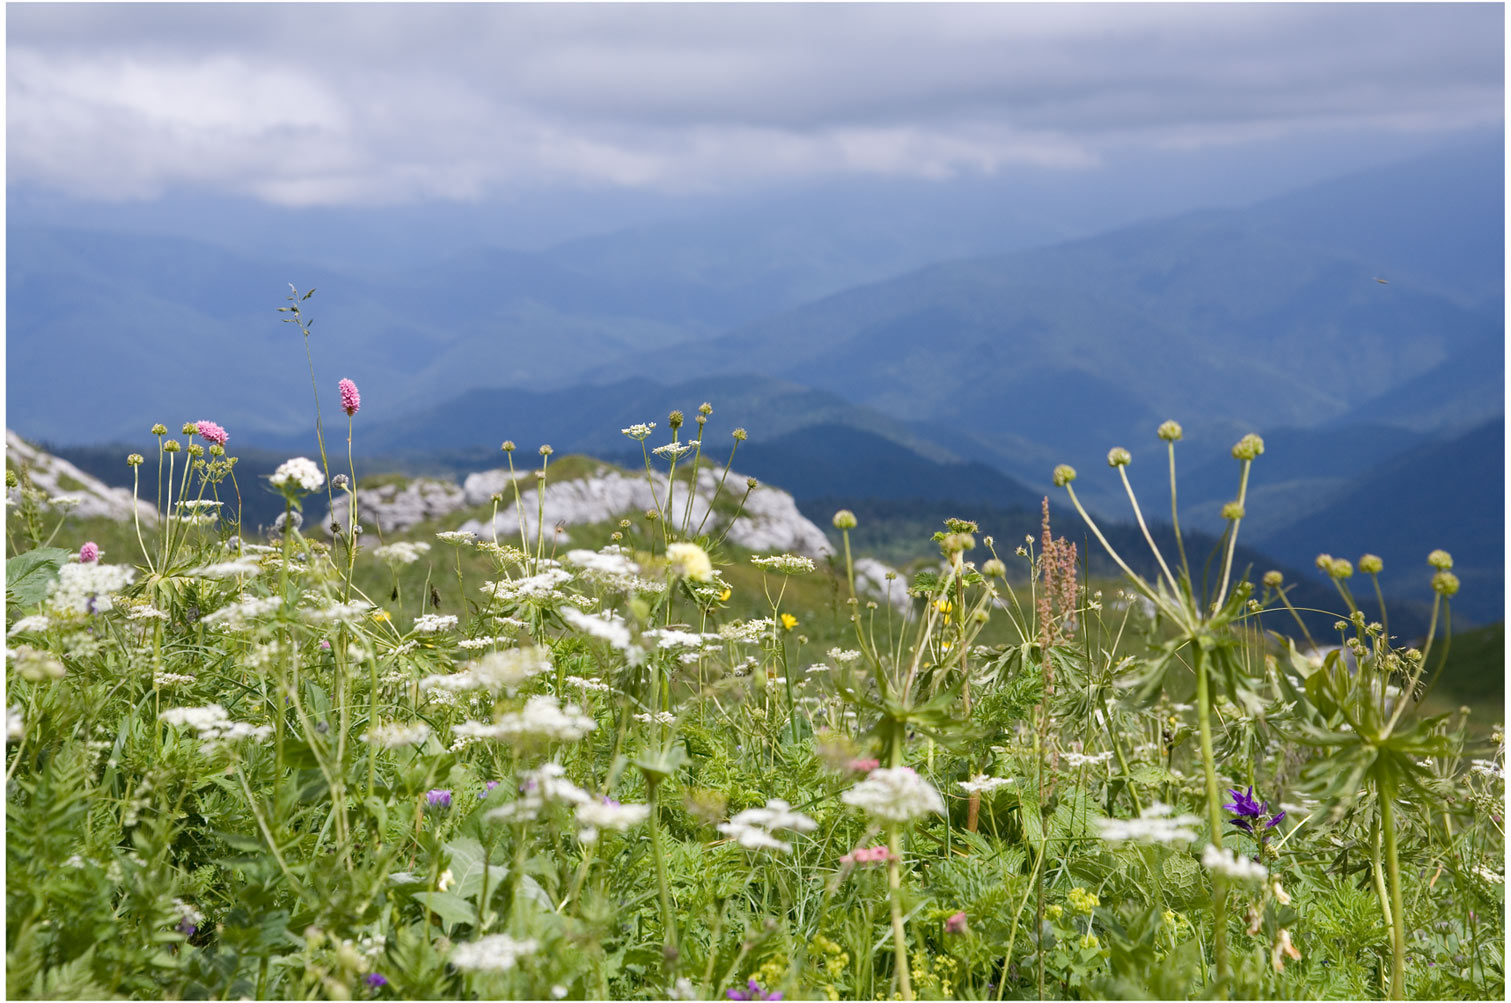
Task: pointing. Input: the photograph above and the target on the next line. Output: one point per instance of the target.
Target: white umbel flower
(983, 784)
(299, 472)
(401, 552)
(787, 564)
(895, 794)
(1224, 861)
(214, 726)
(1155, 825)
(87, 588)
(15, 724)
(756, 828)
(497, 952)
(542, 719)
(393, 735)
(433, 623)
(596, 815)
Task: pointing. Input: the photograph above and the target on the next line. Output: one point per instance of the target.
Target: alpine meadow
(755, 502)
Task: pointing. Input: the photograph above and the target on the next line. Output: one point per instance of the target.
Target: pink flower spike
(351, 401)
(211, 432)
(955, 924)
(89, 553)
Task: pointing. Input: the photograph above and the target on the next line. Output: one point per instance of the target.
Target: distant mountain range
(948, 347)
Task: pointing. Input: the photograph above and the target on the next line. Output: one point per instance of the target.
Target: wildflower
(1273, 579)
(724, 596)
(542, 719)
(639, 431)
(1371, 564)
(1053, 912)
(296, 476)
(1248, 447)
(190, 919)
(755, 828)
(15, 725)
(1119, 457)
(994, 568)
(607, 814)
(983, 784)
(88, 588)
(1250, 812)
(1090, 941)
(752, 991)
(1445, 583)
(862, 765)
(688, 560)
(438, 797)
(843, 655)
(895, 794)
(1283, 946)
(1224, 861)
(673, 450)
(374, 980)
(351, 400)
(432, 623)
(1082, 901)
(955, 924)
(862, 856)
(787, 564)
(1440, 559)
(495, 671)
(403, 552)
(211, 432)
(1232, 511)
(1064, 474)
(1077, 759)
(844, 519)
(34, 666)
(89, 553)
(1155, 825)
(788, 621)
(393, 735)
(456, 537)
(213, 725)
(135, 460)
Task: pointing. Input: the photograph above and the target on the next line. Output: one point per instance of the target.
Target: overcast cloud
(359, 105)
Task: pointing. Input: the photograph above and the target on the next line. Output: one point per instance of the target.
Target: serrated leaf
(28, 576)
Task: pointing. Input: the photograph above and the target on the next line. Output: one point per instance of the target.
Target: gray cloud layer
(358, 104)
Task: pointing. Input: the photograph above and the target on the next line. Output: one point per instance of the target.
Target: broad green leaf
(28, 576)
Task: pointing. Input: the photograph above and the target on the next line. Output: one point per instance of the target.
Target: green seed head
(159, 429)
(674, 419)
(1273, 579)
(1064, 474)
(1119, 457)
(741, 435)
(189, 428)
(1341, 568)
(12, 481)
(1440, 559)
(546, 450)
(844, 519)
(1445, 583)
(1248, 447)
(508, 446)
(751, 483)
(994, 569)
(1170, 431)
(1232, 511)
(705, 409)
(1325, 563)
(171, 446)
(1370, 564)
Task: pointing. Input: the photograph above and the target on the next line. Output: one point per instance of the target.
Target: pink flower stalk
(955, 924)
(350, 399)
(211, 432)
(867, 855)
(89, 553)
(862, 765)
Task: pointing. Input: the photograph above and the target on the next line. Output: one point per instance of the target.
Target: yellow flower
(381, 616)
(724, 596)
(945, 645)
(944, 606)
(788, 621)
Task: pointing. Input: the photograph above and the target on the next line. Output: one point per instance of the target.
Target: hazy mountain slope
(1439, 494)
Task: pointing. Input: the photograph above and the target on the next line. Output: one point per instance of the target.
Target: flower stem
(899, 934)
(1214, 820)
(1393, 878)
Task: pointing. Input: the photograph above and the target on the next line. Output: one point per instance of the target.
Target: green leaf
(451, 908)
(28, 576)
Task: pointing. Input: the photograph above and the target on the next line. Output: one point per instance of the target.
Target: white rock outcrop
(770, 520)
(394, 508)
(61, 479)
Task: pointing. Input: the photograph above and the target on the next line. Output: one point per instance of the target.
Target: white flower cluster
(787, 564)
(1224, 861)
(983, 784)
(670, 637)
(348, 612)
(756, 828)
(589, 685)
(895, 794)
(747, 631)
(843, 655)
(171, 679)
(393, 735)
(241, 566)
(401, 552)
(36, 623)
(673, 450)
(457, 537)
(87, 588)
(539, 788)
(299, 472)
(433, 623)
(496, 952)
(541, 586)
(238, 613)
(604, 814)
(496, 671)
(1154, 825)
(611, 565)
(1076, 759)
(660, 717)
(1491, 768)
(34, 665)
(214, 725)
(473, 643)
(542, 719)
(1493, 877)
(639, 431)
(606, 626)
(15, 725)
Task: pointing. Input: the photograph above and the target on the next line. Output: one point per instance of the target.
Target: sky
(359, 105)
